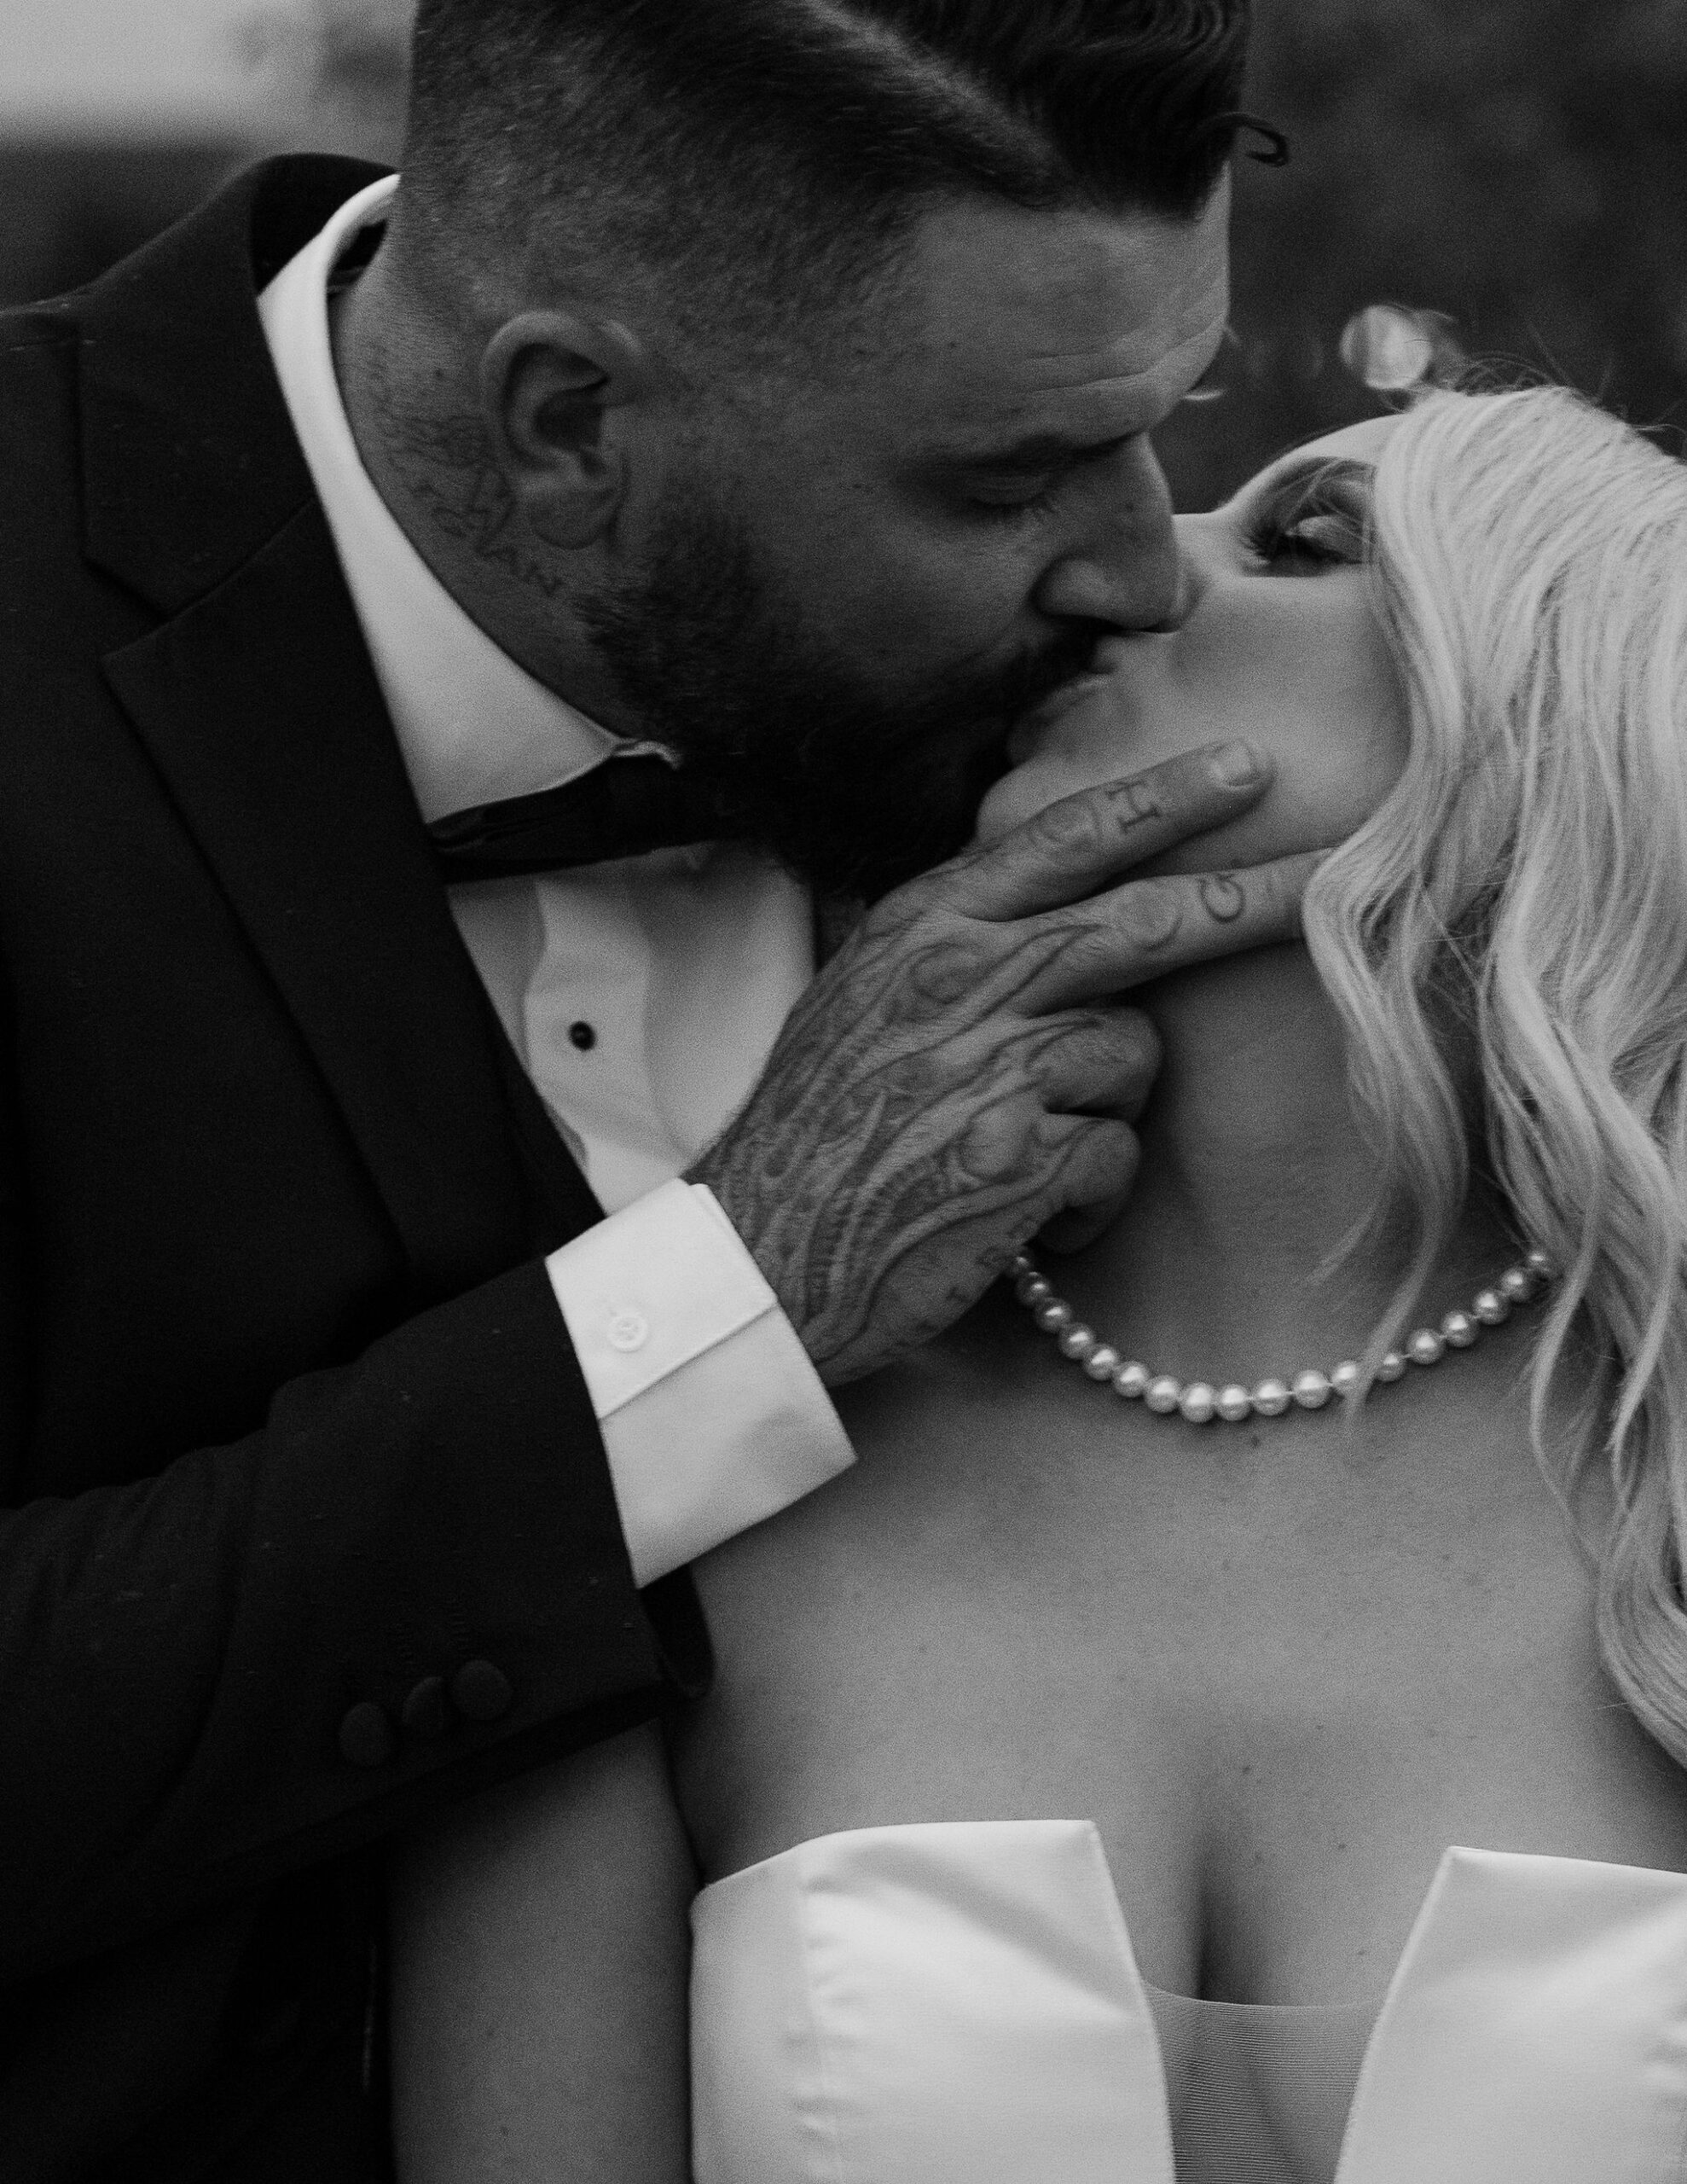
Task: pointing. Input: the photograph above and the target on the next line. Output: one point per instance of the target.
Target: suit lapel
(258, 705)
(260, 708)
(188, 457)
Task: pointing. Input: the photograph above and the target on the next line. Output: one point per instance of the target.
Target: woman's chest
(1279, 1700)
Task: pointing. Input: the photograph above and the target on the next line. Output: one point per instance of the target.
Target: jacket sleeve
(410, 1582)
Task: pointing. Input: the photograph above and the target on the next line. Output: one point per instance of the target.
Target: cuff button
(366, 1737)
(628, 1331)
(427, 1712)
(481, 1691)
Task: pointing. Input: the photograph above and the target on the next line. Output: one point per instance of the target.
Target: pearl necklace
(1199, 1402)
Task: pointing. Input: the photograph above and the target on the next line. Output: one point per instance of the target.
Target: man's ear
(548, 380)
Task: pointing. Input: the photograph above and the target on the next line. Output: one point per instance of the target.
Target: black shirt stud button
(481, 1693)
(366, 1737)
(427, 1712)
(583, 1037)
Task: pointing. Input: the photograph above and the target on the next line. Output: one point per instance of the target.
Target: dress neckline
(1533, 2031)
(1305, 2011)
(1033, 1829)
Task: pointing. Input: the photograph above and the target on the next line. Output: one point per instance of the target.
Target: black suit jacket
(291, 1433)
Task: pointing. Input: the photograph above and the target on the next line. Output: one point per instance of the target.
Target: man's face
(850, 589)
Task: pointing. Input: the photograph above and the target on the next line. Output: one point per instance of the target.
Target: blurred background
(1505, 180)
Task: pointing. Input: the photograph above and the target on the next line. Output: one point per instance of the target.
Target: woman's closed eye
(1313, 519)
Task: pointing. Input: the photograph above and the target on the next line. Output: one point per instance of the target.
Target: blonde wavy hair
(1506, 938)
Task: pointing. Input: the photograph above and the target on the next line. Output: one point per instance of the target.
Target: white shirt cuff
(712, 1415)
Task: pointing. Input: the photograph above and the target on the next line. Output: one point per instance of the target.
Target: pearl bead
(1198, 1402)
(1345, 1378)
(1234, 1404)
(1492, 1308)
(1162, 1395)
(1052, 1316)
(1022, 1263)
(1131, 1381)
(1391, 1368)
(1103, 1362)
(1076, 1342)
(1311, 1389)
(1426, 1347)
(1459, 1329)
(1032, 1289)
(1517, 1283)
(1270, 1398)
(1540, 1263)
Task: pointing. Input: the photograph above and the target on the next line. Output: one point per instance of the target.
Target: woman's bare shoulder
(923, 1585)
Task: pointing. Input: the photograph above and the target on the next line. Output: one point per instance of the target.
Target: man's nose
(1127, 569)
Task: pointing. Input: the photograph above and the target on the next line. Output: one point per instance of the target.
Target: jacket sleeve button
(366, 1737)
(481, 1693)
(427, 1712)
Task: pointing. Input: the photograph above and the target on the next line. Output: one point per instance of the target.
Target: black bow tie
(623, 808)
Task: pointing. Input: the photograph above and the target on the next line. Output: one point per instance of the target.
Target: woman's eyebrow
(1339, 469)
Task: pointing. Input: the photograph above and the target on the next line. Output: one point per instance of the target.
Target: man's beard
(854, 791)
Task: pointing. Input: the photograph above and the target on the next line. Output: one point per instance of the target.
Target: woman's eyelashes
(1314, 518)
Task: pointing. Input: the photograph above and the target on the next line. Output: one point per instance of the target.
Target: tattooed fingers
(1072, 849)
(1149, 928)
(1102, 1063)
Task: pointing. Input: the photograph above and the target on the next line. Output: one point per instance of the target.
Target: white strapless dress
(958, 2003)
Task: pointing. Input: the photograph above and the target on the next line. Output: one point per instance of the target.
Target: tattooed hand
(961, 1072)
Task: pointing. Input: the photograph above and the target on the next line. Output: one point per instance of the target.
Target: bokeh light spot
(1388, 348)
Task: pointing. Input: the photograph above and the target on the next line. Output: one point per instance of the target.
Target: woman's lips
(1110, 655)
(1026, 735)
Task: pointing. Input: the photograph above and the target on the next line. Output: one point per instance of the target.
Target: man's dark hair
(754, 164)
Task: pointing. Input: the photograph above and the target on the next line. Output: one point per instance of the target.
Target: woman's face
(1276, 640)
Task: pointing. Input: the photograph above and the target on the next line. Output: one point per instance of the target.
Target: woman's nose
(1127, 569)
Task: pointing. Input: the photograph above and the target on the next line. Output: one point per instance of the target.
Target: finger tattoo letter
(1134, 803)
(1223, 897)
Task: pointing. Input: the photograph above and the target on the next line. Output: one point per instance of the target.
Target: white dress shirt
(643, 997)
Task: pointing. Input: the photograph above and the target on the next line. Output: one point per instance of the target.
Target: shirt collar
(472, 726)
